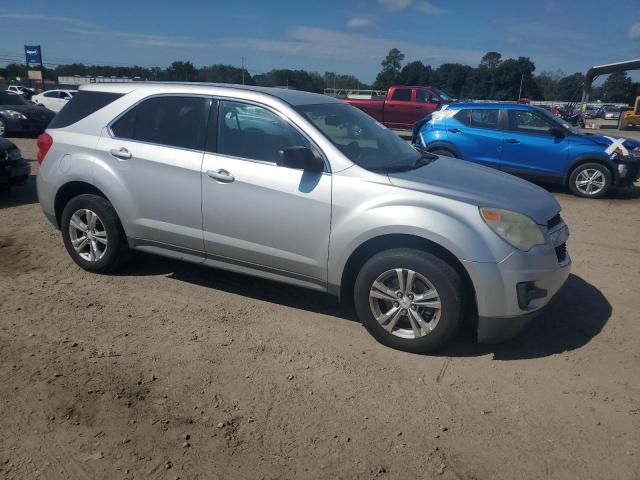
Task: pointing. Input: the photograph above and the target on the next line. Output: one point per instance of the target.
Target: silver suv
(304, 189)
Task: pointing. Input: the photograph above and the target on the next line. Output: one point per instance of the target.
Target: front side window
(173, 121)
(528, 122)
(401, 95)
(426, 97)
(484, 118)
(253, 132)
(52, 95)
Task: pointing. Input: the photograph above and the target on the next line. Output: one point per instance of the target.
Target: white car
(54, 99)
(20, 90)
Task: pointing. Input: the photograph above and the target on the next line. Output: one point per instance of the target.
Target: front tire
(409, 299)
(93, 235)
(590, 180)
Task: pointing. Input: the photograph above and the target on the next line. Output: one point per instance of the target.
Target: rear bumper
(15, 172)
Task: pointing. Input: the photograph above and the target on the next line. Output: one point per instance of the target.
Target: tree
(223, 74)
(548, 84)
(181, 72)
(570, 87)
(491, 60)
(335, 80)
(416, 73)
(508, 76)
(617, 88)
(390, 69)
(452, 78)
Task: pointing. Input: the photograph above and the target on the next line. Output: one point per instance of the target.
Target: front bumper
(502, 313)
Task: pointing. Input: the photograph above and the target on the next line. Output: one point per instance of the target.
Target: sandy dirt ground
(169, 370)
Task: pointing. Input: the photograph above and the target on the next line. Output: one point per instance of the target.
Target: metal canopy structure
(595, 72)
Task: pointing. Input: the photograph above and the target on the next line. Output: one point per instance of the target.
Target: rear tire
(409, 299)
(590, 180)
(93, 234)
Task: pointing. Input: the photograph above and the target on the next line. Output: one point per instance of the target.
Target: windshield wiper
(424, 159)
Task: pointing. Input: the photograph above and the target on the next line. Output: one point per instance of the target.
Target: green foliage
(391, 66)
(618, 88)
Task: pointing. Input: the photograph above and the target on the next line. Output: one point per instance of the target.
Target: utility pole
(243, 70)
(520, 92)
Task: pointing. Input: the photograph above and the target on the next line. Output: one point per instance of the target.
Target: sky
(349, 37)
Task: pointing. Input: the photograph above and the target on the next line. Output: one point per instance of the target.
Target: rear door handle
(221, 175)
(512, 140)
(121, 153)
(454, 130)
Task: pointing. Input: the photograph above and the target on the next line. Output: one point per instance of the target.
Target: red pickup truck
(403, 106)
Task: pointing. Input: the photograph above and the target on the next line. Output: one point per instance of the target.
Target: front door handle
(221, 175)
(454, 130)
(512, 140)
(121, 153)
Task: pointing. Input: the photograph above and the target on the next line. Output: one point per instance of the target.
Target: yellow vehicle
(630, 117)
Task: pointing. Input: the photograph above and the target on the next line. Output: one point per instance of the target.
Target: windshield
(444, 95)
(7, 98)
(559, 121)
(363, 140)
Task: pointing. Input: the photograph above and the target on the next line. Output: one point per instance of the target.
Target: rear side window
(484, 118)
(82, 105)
(401, 95)
(173, 121)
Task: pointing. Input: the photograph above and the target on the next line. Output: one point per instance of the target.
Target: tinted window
(249, 131)
(173, 121)
(51, 94)
(82, 105)
(401, 95)
(463, 117)
(528, 122)
(484, 118)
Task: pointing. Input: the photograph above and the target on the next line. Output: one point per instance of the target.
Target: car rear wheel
(93, 235)
(590, 180)
(409, 299)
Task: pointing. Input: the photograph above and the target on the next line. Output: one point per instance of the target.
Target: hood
(607, 140)
(30, 111)
(481, 186)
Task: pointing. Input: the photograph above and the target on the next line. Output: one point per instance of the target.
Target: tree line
(494, 78)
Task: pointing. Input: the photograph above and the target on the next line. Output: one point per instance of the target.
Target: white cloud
(395, 4)
(4, 13)
(634, 30)
(430, 9)
(359, 22)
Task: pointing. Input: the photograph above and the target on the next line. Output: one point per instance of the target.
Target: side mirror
(556, 132)
(300, 158)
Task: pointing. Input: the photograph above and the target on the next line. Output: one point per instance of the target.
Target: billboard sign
(34, 75)
(33, 55)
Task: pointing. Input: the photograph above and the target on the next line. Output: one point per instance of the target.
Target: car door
(256, 214)
(399, 109)
(426, 102)
(531, 149)
(476, 135)
(155, 152)
(49, 99)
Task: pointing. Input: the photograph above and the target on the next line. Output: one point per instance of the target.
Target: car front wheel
(590, 180)
(409, 299)
(93, 235)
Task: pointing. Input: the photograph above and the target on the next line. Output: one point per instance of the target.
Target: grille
(561, 252)
(554, 221)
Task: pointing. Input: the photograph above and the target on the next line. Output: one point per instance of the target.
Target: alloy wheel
(405, 303)
(88, 235)
(590, 181)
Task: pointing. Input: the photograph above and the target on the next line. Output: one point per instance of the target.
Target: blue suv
(531, 142)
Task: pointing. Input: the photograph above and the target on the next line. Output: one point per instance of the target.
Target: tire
(3, 128)
(433, 277)
(590, 180)
(444, 152)
(111, 247)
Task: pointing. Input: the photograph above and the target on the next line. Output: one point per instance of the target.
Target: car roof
(292, 97)
(503, 105)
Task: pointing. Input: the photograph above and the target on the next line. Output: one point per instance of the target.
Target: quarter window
(173, 121)
(401, 95)
(250, 131)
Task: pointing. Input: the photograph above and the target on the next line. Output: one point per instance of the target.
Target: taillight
(44, 144)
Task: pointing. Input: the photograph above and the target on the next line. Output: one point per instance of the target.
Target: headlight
(514, 228)
(13, 114)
